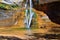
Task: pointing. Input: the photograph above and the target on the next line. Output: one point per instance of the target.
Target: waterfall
(26, 14)
(30, 15)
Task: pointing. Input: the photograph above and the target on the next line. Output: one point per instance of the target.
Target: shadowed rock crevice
(52, 10)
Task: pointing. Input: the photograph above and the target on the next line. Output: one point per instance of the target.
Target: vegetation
(6, 6)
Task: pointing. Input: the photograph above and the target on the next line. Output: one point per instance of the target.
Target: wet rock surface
(49, 36)
(55, 29)
(9, 38)
(39, 36)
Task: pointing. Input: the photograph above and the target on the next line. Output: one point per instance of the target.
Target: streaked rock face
(11, 1)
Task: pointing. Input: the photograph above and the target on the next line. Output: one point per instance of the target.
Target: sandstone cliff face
(43, 20)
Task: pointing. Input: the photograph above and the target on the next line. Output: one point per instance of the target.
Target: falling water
(30, 15)
(26, 20)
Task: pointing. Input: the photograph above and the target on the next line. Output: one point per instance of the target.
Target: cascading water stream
(30, 15)
(31, 12)
(26, 14)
